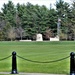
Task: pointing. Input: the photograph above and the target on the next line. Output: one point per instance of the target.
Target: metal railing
(14, 62)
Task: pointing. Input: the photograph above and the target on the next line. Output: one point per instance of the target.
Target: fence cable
(5, 57)
(43, 62)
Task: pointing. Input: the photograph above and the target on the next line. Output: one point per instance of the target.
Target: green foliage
(9, 12)
(33, 19)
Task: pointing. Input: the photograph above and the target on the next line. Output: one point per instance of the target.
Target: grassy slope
(40, 51)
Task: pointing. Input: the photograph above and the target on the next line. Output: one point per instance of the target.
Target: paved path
(31, 73)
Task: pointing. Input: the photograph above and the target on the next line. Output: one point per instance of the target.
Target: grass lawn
(38, 51)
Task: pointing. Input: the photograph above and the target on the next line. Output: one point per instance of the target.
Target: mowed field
(37, 51)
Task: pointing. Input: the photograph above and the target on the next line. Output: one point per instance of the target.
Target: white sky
(39, 2)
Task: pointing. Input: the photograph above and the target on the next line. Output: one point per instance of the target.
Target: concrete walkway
(31, 73)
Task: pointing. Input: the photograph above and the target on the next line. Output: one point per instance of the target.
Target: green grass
(38, 51)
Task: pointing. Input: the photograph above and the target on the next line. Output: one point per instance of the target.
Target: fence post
(14, 63)
(72, 63)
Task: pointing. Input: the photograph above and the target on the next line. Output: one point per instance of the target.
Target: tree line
(25, 21)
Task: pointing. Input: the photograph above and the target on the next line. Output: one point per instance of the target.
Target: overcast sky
(39, 2)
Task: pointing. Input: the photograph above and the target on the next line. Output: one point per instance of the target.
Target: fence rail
(5, 57)
(43, 61)
(14, 62)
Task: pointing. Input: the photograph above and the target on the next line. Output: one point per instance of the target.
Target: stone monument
(39, 37)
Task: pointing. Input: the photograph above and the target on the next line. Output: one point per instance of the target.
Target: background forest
(25, 21)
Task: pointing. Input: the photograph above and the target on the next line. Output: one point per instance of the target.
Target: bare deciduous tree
(11, 33)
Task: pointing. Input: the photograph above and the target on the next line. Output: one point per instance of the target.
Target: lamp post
(58, 28)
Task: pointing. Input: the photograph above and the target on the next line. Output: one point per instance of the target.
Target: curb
(21, 73)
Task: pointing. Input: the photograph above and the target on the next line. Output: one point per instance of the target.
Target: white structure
(55, 39)
(39, 37)
(25, 40)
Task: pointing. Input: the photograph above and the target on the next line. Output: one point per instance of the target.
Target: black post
(72, 63)
(14, 63)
